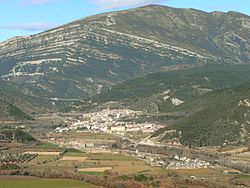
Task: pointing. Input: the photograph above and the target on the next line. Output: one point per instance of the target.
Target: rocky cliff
(82, 58)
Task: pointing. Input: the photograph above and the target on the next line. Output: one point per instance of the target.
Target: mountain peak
(83, 57)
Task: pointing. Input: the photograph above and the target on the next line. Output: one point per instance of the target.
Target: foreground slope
(82, 58)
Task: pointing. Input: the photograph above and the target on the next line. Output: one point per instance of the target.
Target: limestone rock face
(82, 58)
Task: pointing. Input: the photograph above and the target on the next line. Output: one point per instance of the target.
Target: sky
(25, 17)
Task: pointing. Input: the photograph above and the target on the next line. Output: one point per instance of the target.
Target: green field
(243, 176)
(23, 182)
(92, 173)
(74, 154)
(47, 146)
(71, 152)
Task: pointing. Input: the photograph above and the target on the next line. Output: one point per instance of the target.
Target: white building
(118, 128)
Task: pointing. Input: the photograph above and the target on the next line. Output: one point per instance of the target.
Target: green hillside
(210, 112)
(16, 105)
(150, 93)
(224, 120)
(9, 111)
(17, 134)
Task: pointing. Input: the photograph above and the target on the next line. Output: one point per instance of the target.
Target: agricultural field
(102, 164)
(92, 163)
(209, 174)
(116, 163)
(42, 158)
(47, 146)
(109, 157)
(98, 163)
(100, 169)
(48, 153)
(28, 182)
(85, 135)
(242, 156)
(68, 158)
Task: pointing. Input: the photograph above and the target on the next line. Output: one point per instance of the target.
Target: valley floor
(109, 159)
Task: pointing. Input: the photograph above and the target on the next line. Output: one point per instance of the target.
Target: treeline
(109, 180)
(113, 180)
(17, 134)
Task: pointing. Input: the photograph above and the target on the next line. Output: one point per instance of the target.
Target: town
(109, 121)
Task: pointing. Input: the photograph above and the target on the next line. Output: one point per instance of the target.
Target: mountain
(203, 106)
(82, 58)
(9, 111)
(221, 124)
(180, 90)
(16, 134)
(185, 68)
(14, 99)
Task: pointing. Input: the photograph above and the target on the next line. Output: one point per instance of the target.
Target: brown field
(204, 172)
(100, 169)
(245, 154)
(242, 156)
(41, 158)
(96, 151)
(127, 167)
(235, 151)
(43, 153)
(86, 135)
(92, 163)
(97, 163)
(68, 158)
(9, 178)
(109, 157)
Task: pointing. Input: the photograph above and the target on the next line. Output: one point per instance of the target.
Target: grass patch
(71, 152)
(42, 159)
(43, 183)
(92, 173)
(243, 176)
(47, 146)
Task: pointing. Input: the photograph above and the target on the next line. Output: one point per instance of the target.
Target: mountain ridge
(81, 58)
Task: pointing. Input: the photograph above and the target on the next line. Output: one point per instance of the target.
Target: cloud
(112, 4)
(29, 26)
(36, 2)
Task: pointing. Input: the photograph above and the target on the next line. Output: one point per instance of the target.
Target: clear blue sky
(25, 17)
